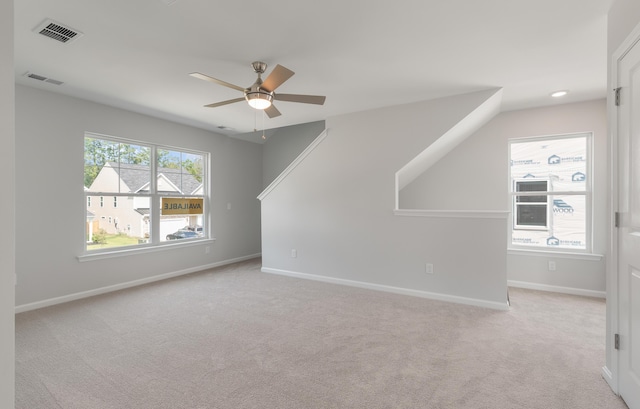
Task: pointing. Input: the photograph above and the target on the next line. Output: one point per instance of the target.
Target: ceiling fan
(260, 95)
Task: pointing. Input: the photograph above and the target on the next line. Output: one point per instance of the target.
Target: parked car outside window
(182, 234)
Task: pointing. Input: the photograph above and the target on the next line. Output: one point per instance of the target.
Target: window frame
(530, 193)
(551, 194)
(155, 199)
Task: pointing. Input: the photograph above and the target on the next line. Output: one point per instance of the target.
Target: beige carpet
(236, 338)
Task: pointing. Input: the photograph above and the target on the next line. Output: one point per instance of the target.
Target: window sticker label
(181, 206)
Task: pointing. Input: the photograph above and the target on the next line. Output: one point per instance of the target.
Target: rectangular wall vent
(57, 31)
(43, 79)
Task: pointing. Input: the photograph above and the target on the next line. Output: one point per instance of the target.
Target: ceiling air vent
(43, 79)
(57, 31)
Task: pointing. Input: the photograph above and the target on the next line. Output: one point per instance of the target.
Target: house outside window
(550, 187)
(159, 193)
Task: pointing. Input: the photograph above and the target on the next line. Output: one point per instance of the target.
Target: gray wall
(284, 145)
(336, 210)
(7, 207)
(475, 176)
(624, 16)
(49, 190)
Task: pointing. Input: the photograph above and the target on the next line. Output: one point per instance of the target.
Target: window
(550, 185)
(531, 211)
(159, 192)
(89, 201)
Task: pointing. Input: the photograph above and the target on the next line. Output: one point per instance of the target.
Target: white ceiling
(136, 54)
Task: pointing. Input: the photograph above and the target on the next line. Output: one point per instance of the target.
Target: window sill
(556, 254)
(141, 250)
(472, 214)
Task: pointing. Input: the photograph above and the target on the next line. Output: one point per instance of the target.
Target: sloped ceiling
(361, 55)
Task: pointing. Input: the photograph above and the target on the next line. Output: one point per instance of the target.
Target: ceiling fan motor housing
(257, 97)
(252, 98)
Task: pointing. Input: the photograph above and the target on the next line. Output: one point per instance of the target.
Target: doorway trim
(610, 370)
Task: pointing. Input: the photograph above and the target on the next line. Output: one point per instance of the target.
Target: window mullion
(154, 206)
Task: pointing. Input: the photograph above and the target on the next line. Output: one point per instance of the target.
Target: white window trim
(587, 193)
(155, 201)
(555, 253)
(142, 249)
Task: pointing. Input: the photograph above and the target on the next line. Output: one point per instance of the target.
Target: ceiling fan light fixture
(259, 100)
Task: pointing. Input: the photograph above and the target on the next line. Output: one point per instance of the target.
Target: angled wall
(450, 140)
(284, 145)
(332, 217)
(478, 169)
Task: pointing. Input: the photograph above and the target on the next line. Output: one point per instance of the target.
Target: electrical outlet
(207, 249)
(552, 266)
(294, 253)
(429, 268)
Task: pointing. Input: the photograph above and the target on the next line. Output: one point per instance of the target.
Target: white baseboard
(102, 290)
(390, 289)
(608, 376)
(557, 289)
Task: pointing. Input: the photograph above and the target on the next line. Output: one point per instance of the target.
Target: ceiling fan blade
(216, 81)
(279, 75)
(305, 99)
(227, 102)
(272, 111)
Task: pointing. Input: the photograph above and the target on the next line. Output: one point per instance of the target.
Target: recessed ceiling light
(558, 94)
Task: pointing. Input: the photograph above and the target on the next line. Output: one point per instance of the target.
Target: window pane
(562, 161)
(126, 225)
(180, 173)
(569, 226)
(181, 218)
(114, 167)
